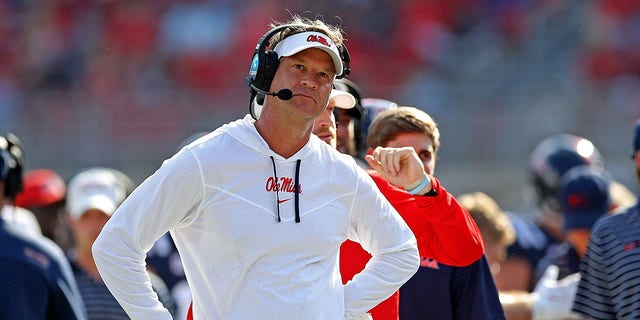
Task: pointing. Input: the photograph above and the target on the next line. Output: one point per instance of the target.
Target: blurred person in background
(93, 195)
(550, 159)
(497, 232)
(20, 217)
(535, 233)
(352, 124)
(348, 121)
(609, 286)
(13, 214)
(371, 108)
(36, 279)
(259, 207)
(452, 282)
(325, 125)
(43, 194)
(584, 198)
(544, 290)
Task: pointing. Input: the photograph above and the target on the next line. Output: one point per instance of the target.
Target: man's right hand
(402, 167)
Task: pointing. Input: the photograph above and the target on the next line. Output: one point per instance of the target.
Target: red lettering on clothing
(631, 245)
(284, 185)
(314, 38)
(429, 263)
(272, 185)
(34, 255)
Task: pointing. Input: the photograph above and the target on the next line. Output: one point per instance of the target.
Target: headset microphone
(283, 94)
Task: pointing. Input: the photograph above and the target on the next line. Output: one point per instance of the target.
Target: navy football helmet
(554, 156)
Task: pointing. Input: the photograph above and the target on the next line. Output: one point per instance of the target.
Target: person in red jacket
(454, 280)
(446, 233)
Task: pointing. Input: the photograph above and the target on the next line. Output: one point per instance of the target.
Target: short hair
(299, 24)
(492, 222)
(390, 123)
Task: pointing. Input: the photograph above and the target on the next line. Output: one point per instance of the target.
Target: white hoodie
(218, 199)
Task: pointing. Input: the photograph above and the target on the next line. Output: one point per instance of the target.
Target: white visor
(305, 40)
(94, 189)
(343, 99)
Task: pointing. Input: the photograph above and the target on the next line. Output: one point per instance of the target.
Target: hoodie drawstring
(275, 177)
(296, 189)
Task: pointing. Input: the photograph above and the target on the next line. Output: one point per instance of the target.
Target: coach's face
(308, 74)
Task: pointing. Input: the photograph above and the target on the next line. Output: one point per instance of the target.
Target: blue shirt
(443, 292)
(609, 287)
(35, 278)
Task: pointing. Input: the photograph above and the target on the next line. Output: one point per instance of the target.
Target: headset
(12, 162)
(264, 64)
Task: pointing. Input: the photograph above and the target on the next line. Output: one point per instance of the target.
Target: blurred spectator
(11, 166)
(21, 218)
(550, 300)
(551, 158)
(371, 108)
(43, 194)
(497, 232)
(92, 197)
(35, 275)
(195, 37)
(324, 126)
(549, 161)
(349, 120)
(584, 198)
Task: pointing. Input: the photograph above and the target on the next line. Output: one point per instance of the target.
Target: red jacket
(445, 232)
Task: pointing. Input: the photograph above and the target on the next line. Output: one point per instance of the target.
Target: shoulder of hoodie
(210, 137)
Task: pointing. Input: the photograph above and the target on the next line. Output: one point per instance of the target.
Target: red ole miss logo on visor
(318, 39)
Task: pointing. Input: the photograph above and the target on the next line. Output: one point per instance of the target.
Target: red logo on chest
(283, 184)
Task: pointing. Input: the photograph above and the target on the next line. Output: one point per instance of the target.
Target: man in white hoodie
(258, 209)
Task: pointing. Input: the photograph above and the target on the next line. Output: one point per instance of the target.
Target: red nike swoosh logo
(284, 200)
